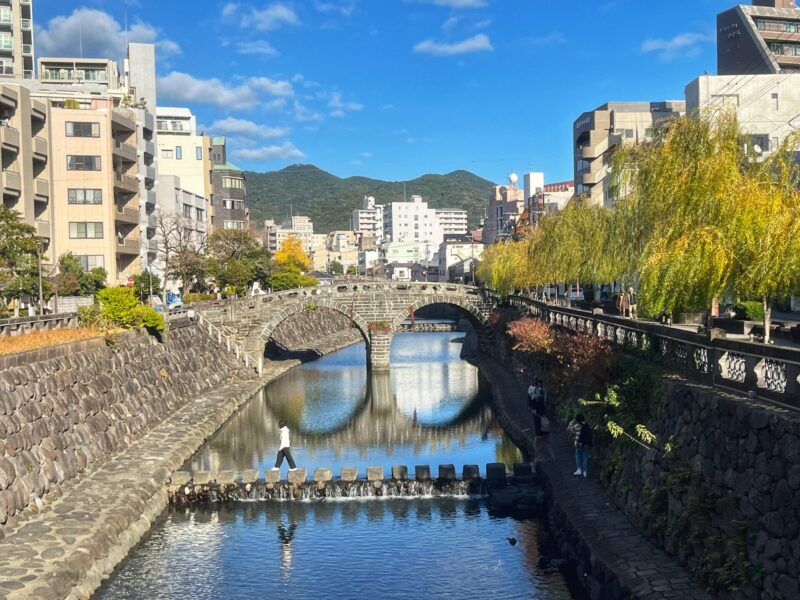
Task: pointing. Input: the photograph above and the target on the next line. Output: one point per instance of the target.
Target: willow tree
(503, 267)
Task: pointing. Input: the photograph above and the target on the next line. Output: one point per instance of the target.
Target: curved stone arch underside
(473, 311)
(289, 310)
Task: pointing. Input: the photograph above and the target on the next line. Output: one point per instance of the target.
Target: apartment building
(412, 221)
(25, 177)
(761, 39)
(229, 197)
(453, 221)
(506, 205)
(596, 133)
(69, 71)
(766, 106)
(299, 227)
(369, 218)
(95, 185)
(183, 208)
(464, 252)
(16, 39)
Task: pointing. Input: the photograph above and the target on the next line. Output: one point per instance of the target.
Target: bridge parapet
(767, 371)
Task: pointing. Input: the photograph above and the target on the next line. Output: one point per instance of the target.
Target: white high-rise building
(298, 226)
(412, 222)
(453, 221)
(369, 218)
(532, 184)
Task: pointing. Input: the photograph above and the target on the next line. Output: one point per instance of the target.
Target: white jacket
(284, 438)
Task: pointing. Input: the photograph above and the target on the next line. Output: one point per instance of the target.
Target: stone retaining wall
(67, 409)
(306, 327)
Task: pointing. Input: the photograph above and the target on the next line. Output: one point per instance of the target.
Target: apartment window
(92, 261)
(85, 230)
(167, 153)
(774, 143)
(198, 214)
(161, 124)
(5, 14)
(233, 225)
(581, 165)
(725, 99)
(233, 183)
(179, 152)
(775, 104)
(176, 125)
(6, 66)
(6, 41)
(187, 211)
(199, 153)
(78, 162)
(84, 196)
(233, 204)
(81, 129)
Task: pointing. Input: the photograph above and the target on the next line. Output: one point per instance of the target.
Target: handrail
(768, 372)
(240, 353)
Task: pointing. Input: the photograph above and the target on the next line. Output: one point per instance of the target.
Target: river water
(431, 408)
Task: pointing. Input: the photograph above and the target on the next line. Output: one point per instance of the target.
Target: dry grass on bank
(43, 339)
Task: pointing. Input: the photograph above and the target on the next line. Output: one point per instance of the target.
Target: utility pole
(39, 250)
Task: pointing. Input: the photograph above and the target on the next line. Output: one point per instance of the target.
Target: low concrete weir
(203, 487)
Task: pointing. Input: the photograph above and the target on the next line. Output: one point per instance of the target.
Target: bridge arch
(471, 311)
(311, 304)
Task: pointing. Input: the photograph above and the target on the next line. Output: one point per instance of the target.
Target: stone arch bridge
(377, 309)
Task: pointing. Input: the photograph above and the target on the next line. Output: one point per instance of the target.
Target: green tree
(18, 263)
(238, 259)
(72, 280)
(120, 307)
(352, 270)
(292, 257)
(146, 283)
(336, 268)
(289, 280)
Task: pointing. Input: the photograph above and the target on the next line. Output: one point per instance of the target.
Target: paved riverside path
(643, 571)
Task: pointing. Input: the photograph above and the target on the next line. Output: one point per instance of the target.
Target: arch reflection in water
(430, 407)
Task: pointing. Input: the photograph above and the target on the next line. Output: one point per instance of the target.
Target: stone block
(226, 477)
(422, 472)
(180, 478)
(471, 472)
(272, 476)
(399, 472)
(523, 470)
(349, 473)
(202, 478)
(323, 475)
(298, 476)
(447, 472)
(374, 473)
(495, 472)
(249, 476)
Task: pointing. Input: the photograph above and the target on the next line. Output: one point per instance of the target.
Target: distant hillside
(329, 200)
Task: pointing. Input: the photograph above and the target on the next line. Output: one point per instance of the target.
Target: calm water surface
(431, 408)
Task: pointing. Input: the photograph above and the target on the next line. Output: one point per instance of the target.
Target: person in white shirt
(285, 449)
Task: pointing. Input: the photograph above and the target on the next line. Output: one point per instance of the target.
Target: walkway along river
(430, 408)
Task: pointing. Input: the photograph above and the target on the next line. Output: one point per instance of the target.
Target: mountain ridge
(305, 189)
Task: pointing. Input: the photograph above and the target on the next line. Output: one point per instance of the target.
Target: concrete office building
(761, 39)
(25, 177)
(766, 106)
(506, 205)
(95, 185)
(412, 222)
(16, 39)
(596, 133)
(229, 189)
(369, 218)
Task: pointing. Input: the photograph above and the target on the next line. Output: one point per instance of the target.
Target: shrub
(120, 307)
(753, 310)
(198, 297)
(89, 316)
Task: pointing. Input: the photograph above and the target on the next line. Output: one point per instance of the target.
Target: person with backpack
(582, 440)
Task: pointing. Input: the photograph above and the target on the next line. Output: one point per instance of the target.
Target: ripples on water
(431, 408)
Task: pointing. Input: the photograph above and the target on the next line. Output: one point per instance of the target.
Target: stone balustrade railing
(21, 325)
(770, 372)
(256, 363)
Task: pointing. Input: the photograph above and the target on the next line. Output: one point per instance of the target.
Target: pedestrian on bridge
(284, 451)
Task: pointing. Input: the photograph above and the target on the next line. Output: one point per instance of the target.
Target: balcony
(41, 189)
(152, 220)
(27, 49)
(126, 183)
(149, 121)
(12, 183)
(125, 151)
(127, 246)
(150, 173)
(152, 246)
(124, 118)
(9, 138)
(150, 200)
(43, 229)
(8, 96)
(27, 74)
(40, 149)
(150, 148)
(25, 24)
(127, 215)
(39, 110)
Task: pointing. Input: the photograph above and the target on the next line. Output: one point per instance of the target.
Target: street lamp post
(39, 250)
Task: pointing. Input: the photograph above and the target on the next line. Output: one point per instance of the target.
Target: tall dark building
(229, 189)
(760, 39)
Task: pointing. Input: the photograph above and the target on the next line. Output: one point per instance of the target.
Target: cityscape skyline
(393, 91)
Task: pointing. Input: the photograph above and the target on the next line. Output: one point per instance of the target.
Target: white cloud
(271, 17)
(683, 44)
(342, 7)
(357, 163)
(455, 3)
(477, 43)
(450, 23)
(281, 151)
(272, 87)
(230, 9)
(366, 154)
(259, 47)
(340, 107)
(556, 37)
(95, 33)
(182, 87)
(249, 129)
(305, 114)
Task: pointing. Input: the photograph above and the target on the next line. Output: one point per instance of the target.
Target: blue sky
(394, 89)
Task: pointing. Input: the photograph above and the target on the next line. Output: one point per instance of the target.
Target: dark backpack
(585, 437)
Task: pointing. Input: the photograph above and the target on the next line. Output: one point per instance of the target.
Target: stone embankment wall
(66, 409)
(725, 498)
